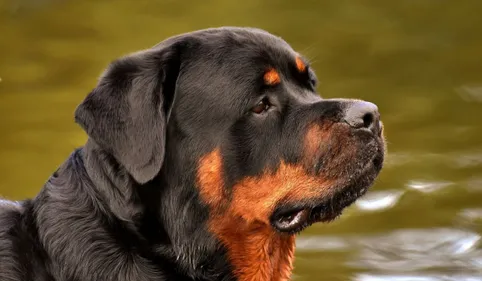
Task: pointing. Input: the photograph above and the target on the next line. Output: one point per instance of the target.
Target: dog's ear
(127, 113)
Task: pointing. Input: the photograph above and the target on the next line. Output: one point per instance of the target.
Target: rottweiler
(206, 155)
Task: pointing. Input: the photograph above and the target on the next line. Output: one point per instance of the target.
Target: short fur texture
(201, 149)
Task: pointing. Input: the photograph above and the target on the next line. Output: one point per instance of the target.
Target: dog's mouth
(293, 218)
(296, 220)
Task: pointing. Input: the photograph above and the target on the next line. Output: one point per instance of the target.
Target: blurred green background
(420, 61)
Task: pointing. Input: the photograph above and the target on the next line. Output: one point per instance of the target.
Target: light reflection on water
(420, 249)
(427, 187)
(376, 201)
(423, 277)
(472, 215)
(471, 93)
(407, 254)
(459, 159)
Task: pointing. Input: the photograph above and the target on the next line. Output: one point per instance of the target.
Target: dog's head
(233, 115)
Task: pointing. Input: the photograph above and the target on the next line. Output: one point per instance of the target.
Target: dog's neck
(256, 251)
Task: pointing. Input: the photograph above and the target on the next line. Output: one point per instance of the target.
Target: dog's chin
(294, 217)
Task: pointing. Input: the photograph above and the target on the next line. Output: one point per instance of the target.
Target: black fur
(125, 206)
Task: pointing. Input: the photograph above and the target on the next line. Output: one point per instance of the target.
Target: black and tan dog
(206, 155)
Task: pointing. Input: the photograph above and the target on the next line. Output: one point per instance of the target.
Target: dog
(206, 155)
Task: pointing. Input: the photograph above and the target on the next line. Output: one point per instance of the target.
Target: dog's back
(10, 224)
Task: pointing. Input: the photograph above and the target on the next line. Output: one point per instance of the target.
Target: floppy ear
(127, 113)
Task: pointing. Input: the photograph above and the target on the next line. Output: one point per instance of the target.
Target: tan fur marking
(255, 249)
(300, 65)
(271, 77)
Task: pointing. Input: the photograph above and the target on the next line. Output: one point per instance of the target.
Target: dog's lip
(293, 221)
(296, 218)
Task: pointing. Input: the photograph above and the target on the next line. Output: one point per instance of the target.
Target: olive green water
(419, 60)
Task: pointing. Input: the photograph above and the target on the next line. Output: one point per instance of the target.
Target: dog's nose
(363, 114)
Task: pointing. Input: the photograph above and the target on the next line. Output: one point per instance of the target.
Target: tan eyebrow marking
(271, 77)
(300, 65)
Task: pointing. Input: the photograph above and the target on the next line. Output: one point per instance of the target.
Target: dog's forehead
(237, 47)
(226, 66)
(242, 36)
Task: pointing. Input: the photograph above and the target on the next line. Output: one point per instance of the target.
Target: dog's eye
(313, 82)
(312, 79)
(262, 106)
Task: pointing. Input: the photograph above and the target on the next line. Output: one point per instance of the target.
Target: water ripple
(473, 214)
(459, 159)
(428, 187)
(417, 249)
(423, 277)
(470, 93)
(407, 251)
(321, 243)
(379, 200)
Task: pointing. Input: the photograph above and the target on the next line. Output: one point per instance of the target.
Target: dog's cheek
(210, 179)
(254, 199)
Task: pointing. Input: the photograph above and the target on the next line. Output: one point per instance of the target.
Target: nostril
(362, 114)
(368, 120)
